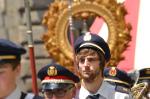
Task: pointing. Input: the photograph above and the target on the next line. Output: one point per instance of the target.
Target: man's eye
(82, 60)
(1, 71)
(61, 92)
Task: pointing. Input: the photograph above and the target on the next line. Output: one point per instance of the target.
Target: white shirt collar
(83, 93)
(15, 94)
(103, 91)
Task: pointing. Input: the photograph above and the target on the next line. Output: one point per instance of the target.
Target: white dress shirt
(119, 95)
(106, 91)
(15, 94)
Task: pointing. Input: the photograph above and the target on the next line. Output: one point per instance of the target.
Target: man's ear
(18, 69)
(74, 91)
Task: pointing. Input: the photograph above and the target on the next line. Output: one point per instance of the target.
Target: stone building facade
(13, 27)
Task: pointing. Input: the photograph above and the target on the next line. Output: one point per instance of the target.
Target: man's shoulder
(122, 89)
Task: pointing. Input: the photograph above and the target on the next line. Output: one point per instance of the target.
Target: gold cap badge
(52, 71)
(112, 71)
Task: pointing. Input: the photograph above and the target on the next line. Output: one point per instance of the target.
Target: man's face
(7, 79)
(89, 67)
(60, 94)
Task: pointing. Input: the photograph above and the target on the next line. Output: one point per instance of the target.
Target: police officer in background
(121, 80)
(92, 53)
(144, 77)
(57, 82)
(10, 58)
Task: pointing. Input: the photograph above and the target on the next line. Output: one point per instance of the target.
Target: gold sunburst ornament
(56, 20)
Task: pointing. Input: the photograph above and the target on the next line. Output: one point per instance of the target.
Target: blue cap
(54, 76)
(144, 74)
(113, 74)
(10, 50)
(92, 41)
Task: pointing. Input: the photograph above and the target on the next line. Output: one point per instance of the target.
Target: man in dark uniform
(121, 80)
(10, 58)
(57, 82)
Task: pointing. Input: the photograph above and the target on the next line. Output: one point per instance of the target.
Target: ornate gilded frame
(56, 20)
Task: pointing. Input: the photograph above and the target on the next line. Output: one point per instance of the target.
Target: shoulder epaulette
(122, 89)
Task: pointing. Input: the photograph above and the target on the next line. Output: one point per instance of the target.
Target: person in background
(144, 77)
(92, 54)
(57, 82)
(10, 67)
(121, 80)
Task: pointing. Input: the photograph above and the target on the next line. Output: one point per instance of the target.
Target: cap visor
(55, 86)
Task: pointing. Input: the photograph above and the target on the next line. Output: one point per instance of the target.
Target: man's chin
(87, 78)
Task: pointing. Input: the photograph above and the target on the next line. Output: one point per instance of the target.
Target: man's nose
(54, 97)
(86, 62)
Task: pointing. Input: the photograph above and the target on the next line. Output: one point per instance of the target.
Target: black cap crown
(144, 74)
(114, 74)
(93, 41)
(54, 76)
(10, 50)
(55, 70)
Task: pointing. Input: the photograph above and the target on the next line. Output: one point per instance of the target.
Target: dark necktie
(93, 96)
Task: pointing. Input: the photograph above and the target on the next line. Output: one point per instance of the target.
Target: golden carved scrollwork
(56, 20)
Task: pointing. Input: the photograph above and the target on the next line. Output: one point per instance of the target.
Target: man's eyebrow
(3, 66)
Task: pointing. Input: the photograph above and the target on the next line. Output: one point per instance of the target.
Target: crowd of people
(96, 81)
